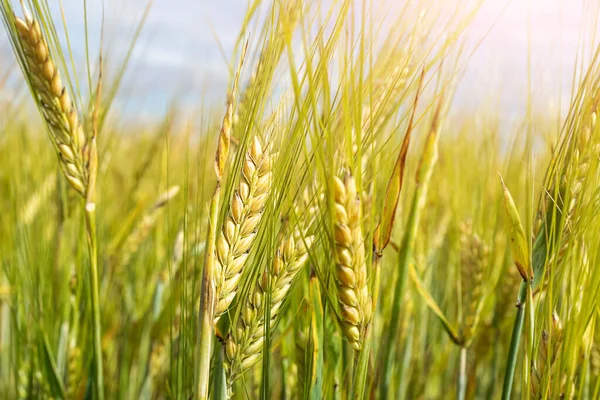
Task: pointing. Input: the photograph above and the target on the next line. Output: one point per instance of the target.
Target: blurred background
(185, 45)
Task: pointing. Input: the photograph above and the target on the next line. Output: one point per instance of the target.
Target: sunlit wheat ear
(474, 258)
(245, 342)
(239, 228)
(53, 99)
(351, 272)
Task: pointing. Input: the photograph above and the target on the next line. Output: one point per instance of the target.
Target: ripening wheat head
(245, 342)
(474, 258)
(239, 228)
(53, 100)
(351, 271)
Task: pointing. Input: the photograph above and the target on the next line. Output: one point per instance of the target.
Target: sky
(179, 56)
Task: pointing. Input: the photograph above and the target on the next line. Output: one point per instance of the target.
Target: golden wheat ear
(243, 347)
(351, 271)
(239, 228)
(54, 101)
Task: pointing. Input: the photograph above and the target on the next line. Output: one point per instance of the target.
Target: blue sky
(178, 56)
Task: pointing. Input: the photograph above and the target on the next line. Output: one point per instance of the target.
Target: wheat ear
(55, 103)
(474, 257)
(351, 271)
(239, 228)
(245, 342)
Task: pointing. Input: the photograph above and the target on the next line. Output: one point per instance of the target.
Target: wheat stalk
(78, 159)
(58, 110)
(245, 342)
(239, 228)
(351, 271)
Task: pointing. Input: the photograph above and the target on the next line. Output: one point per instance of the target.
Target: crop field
(329, 228)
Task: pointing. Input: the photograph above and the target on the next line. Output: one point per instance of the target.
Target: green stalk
(403, 377)
(219, 391)
(461, 389)
(423, 177)
(90, 228)
(316, 343)
(511, 363)
(206, 314)
(360, 377)
(207, 300)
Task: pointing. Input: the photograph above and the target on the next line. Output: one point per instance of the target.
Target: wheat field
(330, 230)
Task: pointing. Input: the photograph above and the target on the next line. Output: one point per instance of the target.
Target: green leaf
(518, 239)
(433, 306)
(315, 342)
(383, 231)
(219, 388)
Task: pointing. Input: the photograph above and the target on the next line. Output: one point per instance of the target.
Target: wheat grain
(351, 271)
(239, 228)
(55, 103)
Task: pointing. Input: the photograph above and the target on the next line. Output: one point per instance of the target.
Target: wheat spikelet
(245, 342)
(351, 271)
(474, 258)
(239, 228)
(54, 101)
